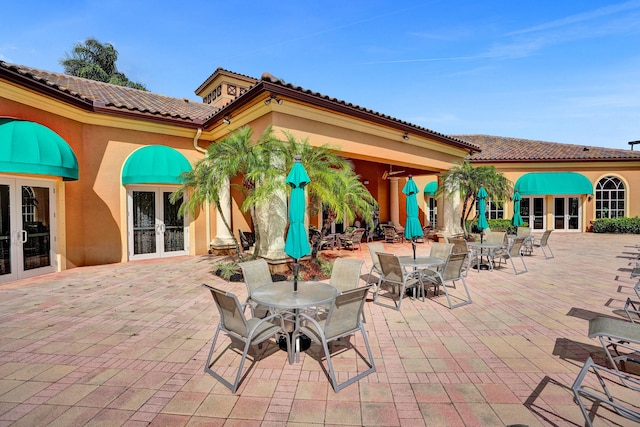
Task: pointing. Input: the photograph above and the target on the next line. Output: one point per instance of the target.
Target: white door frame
(566, 217)
(18, 236)
(160, 227)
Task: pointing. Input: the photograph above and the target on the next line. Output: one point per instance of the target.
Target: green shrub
(622, 225)
(495, 224)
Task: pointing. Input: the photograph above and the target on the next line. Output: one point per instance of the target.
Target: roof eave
(334, 105)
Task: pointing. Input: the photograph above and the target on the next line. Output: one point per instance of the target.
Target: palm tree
(467, 179)
(96, 61)
(334, 183)
(263, 165)
(235, 155)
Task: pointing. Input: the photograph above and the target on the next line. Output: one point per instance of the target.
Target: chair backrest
(346, 273)
(545, 238)
(389, 232)
(345, 313)
(256, 273)
(523, 231)
(231, 314)
(391, 268)
(514, 250)
(496, 237)
(356, 237)
(374, 248)
(453, 267)
(441, 250)
(459, 246)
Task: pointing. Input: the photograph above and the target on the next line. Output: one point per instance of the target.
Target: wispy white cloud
(581, 17)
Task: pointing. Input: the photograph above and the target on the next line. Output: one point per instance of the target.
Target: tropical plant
(467, 179)
(96, 61)
(334, 183)
(263, 164)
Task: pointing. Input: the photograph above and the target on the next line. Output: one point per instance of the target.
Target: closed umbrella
(297, 244)
(413, 228)
(482, 218)
(517, 218)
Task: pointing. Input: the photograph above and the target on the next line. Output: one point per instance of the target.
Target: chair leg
(371, 363)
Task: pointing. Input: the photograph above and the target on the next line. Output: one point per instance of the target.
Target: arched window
(610, 198)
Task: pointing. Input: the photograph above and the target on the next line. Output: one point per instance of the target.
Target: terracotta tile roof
(105, 96)
(503, 149)
(117, 97)
(266, 77)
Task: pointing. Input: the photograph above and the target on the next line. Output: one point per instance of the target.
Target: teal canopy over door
(31, 148)
(154, 164)
(157, 230)
(541, 183)
(431, 188)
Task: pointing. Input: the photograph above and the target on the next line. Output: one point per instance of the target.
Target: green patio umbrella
(482, 218)
(297, 244)
(517, 218)
(413, 228)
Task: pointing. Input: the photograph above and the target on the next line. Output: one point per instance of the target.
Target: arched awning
(154, 164)
(431, 188)
(30, 148)
(539, 183)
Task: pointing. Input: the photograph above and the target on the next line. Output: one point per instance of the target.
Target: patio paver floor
(125, 345)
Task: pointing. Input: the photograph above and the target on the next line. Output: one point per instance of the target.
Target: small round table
(491, 247)
(281, 295)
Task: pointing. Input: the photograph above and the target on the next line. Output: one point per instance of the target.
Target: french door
(566, 213)
(154, 228)
(532, 210)
(27, 228)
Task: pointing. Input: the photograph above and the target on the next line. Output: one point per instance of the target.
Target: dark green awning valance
(431, 188)
(30, 148)
(154, 164)
(539, 183)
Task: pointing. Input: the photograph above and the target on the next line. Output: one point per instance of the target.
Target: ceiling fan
(391, 172)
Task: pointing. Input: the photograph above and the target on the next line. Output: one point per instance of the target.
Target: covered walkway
(125, 344)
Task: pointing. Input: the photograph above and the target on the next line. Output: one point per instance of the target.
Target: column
(223, 239)
(394, 201)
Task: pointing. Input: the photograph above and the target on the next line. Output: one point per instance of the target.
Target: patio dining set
(305, 312)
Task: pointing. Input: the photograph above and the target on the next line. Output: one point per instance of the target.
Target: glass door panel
(36, 227)
(558, 213)
(5, 230)
(144, 222)
(173, 225)
(573, 213)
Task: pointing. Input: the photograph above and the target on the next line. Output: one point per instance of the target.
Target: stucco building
(87, 168)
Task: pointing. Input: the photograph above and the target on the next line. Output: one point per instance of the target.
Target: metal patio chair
(256, 273)
(450, 272)
(510, 253)
(542, 242)
(374, 248)
(396, 276)
(343, 319)
(250, 331)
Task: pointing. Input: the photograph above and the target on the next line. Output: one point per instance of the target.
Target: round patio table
(480, 246)
(281, 295)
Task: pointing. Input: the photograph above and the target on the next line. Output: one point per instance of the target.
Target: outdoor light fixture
(273, 98)
(632, 143)
(405, 136)
(226, 120)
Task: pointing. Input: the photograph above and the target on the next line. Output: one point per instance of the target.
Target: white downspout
(207, 211)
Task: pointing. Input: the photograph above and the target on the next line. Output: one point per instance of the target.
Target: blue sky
(564, 71)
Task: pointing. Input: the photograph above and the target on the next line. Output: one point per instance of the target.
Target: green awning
(30, 148)
(154, 164)
(538, 183)
(431, 188)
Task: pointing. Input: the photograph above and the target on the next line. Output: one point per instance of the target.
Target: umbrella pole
(413, 243)
(296, 267)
